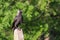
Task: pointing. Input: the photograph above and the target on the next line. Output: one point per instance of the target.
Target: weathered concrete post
(18, 34)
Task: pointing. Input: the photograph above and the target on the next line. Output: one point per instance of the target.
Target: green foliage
(33, 27)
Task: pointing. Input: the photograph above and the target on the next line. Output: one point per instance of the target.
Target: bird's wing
(13, 24)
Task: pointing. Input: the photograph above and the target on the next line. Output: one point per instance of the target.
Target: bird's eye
(21, 12)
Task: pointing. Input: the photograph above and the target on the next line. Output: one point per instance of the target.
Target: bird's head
(19, 12)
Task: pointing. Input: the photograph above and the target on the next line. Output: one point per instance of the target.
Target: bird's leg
(15, 26)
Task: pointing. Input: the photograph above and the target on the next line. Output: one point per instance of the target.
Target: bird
(17, 20)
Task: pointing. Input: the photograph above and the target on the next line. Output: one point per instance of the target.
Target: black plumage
(18, 20)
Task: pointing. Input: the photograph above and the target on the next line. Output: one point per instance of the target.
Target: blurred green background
(41, 18)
